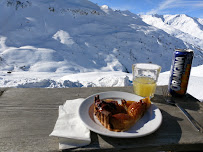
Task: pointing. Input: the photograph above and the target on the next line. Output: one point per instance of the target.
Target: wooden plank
(28, 116)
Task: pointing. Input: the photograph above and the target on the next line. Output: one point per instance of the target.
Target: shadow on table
(169, 133)
(186, 102)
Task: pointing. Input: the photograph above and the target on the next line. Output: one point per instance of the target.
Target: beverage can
(180, 71)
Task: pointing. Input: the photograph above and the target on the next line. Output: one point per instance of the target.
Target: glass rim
(148, 66)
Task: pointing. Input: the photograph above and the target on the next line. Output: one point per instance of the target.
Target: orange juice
(144, 86)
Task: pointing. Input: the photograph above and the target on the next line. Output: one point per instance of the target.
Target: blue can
(180, 71)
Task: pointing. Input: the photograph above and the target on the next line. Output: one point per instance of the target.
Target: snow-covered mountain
(79, 36)
(183, 27)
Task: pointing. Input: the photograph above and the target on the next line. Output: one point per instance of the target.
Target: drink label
(180, 71)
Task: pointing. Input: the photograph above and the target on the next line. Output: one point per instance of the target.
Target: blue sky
(193, 8)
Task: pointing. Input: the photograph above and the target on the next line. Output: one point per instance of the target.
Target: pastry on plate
(119, 117)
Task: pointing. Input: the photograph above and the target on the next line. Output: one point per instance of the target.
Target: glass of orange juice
(145, 76)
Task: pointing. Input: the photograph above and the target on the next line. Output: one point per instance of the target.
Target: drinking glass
(145, 76)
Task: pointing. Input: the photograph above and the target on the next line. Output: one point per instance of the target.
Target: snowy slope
(76, 43)
(186, 28)
(78, 36)
(87, 79)
(92, 79)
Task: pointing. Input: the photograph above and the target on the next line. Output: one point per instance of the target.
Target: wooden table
(28, 116)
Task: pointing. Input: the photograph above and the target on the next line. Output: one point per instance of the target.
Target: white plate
(149, 123)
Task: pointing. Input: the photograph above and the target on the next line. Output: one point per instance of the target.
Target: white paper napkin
(71, 130)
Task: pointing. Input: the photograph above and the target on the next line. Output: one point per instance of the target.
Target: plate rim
(114, 134)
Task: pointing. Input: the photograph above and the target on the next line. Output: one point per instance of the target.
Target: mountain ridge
(79, 36)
